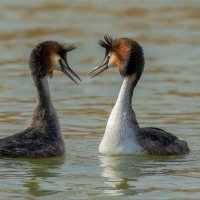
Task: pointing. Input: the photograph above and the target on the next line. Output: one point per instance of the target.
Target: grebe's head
(123, 53)
(49, 56)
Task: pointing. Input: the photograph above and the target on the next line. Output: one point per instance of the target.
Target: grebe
(43, 137)
(123, 134)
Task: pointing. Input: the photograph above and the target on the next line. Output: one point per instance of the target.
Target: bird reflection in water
(41, 173)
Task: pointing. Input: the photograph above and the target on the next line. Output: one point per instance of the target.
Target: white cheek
(111, 62)
(56, 64)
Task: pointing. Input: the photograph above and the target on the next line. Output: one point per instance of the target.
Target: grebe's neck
(43, 94)
(44, 112)
(122, 126)
(126, 91)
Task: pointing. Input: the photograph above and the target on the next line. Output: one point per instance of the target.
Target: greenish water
(167, 96)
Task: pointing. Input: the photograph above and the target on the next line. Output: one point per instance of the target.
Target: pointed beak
(99, 69)
(68, 71)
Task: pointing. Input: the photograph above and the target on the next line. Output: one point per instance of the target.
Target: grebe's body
(43, 137)
(123, 134)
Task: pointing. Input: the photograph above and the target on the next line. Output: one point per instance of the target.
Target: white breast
(122, 127)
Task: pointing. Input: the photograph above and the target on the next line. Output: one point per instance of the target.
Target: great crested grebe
(123, 134)
(43, 137)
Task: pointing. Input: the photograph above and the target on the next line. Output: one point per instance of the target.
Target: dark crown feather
(107, 42)
(66, 48)
(69, 47)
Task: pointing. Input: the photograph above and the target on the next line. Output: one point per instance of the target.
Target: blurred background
(167, 96)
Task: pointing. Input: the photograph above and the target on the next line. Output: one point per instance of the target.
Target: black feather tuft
(66, 48)
(107, 42)
(69, 47)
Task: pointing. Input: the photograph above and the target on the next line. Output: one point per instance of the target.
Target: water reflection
(121, 173)
(37, 174)
(124, 173)
(46, 169)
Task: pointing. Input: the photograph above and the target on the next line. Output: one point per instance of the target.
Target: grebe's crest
(49, 56)
(107, 43)
(116, 49)
(44, 57)
(123, 53)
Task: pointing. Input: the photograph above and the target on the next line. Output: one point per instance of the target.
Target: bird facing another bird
(123, 134)
(43, 137)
